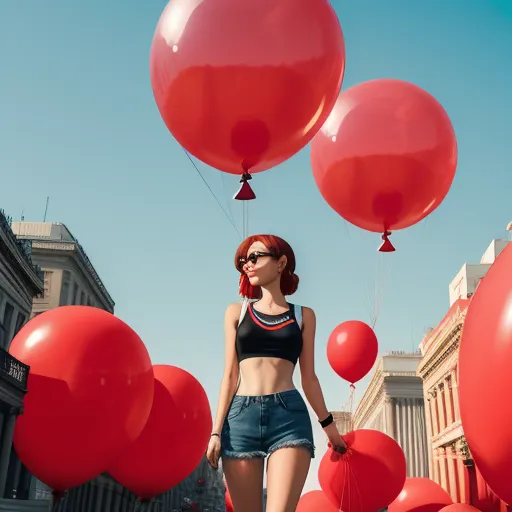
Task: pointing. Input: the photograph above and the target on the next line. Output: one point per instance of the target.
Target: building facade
(393, 403)
(69, 276)
(450, 461)
(343, 421)
(20, 282)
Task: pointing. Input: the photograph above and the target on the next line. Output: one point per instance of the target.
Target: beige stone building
(393, 403)
(69, 276)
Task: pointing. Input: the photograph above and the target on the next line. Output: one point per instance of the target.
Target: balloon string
(382, 278)
(231, 221)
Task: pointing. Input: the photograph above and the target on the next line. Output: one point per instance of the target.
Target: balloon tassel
(245, 192)
(386, 246)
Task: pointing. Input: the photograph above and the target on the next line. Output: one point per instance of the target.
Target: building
(343, 421)
(450, 462)
(393, 403)
(20, 281)
(69, 276)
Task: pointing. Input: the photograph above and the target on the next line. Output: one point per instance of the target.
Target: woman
(260, 413)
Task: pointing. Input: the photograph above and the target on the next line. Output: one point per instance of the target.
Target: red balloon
(485, 362)
(386, 156)
(175, 437)
(245, 85)
(420, 495)
(459, 507)
(90, 390)
(352, 349)
(369, 477)
(229, 503)
(315, 501)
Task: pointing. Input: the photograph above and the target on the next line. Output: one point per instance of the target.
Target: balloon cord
(231, 221)
(381, 281)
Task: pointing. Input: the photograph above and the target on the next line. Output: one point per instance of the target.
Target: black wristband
(327, 421)
(215, 435)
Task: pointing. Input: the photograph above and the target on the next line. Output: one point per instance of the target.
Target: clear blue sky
(78, 123)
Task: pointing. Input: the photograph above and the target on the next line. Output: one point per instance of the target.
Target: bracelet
(327, 421)
(215, 435)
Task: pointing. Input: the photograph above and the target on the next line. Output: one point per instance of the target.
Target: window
(8, 314)
(74, 298)
(20, 321)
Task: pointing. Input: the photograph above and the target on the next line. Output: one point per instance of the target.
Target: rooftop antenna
(22, 214)
(46, 208)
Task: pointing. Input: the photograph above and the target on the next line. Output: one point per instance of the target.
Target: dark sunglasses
(253, 258)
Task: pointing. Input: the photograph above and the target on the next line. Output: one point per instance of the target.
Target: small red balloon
(245, 85)
(315, 501)
(90, 390)
(368, 477)
(420, 495)
(175, 437)
(459, 507)
(352, 349)
(386, 156)
(485, 362)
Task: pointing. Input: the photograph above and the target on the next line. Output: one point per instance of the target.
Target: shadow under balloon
(63, 436)
(235, 117)
(384, 192)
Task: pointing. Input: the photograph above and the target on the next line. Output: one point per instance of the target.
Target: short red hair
(277, 247)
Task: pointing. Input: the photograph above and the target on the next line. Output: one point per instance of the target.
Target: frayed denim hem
(296, 443)
(243, 455)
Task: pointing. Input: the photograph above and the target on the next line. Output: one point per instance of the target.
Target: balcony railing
(13, 370)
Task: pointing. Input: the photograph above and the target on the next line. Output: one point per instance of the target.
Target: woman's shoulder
(307, 312)
(234, 310)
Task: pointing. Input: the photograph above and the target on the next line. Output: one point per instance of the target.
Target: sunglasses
(253, 258)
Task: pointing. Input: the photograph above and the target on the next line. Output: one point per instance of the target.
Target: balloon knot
(245, 192)
(386, 246)
(352, 387)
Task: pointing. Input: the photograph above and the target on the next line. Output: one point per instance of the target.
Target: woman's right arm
(231, 370)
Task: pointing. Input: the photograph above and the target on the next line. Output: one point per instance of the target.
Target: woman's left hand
(337, 442)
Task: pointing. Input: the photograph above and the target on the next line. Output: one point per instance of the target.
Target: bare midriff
(265, 376)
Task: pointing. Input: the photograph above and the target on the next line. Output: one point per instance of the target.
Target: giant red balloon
(485, 363)
(420, 495)
(90, 390)
(386, 156)
(369, 477)
(315, 501)
(245, 85)
(175, 437)
(352, 349)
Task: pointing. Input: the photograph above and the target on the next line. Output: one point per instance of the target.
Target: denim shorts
(257, 426)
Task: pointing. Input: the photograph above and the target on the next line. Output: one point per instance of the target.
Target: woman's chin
(254, 281)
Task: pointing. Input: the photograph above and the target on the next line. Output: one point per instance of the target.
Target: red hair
(277, 247)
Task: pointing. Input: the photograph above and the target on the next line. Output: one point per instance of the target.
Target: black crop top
(261, 335)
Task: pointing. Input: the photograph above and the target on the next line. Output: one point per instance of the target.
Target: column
(5, 448)
(455, 392)
(449, 400)
(434, 409)
(436, 475)
(429, 428)
(452, 484)
(389, 413)
(410, 435)
(440, 408)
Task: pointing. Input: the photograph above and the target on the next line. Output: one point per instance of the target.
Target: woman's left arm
(310, 382)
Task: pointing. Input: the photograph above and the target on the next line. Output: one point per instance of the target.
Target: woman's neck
(272, 296)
